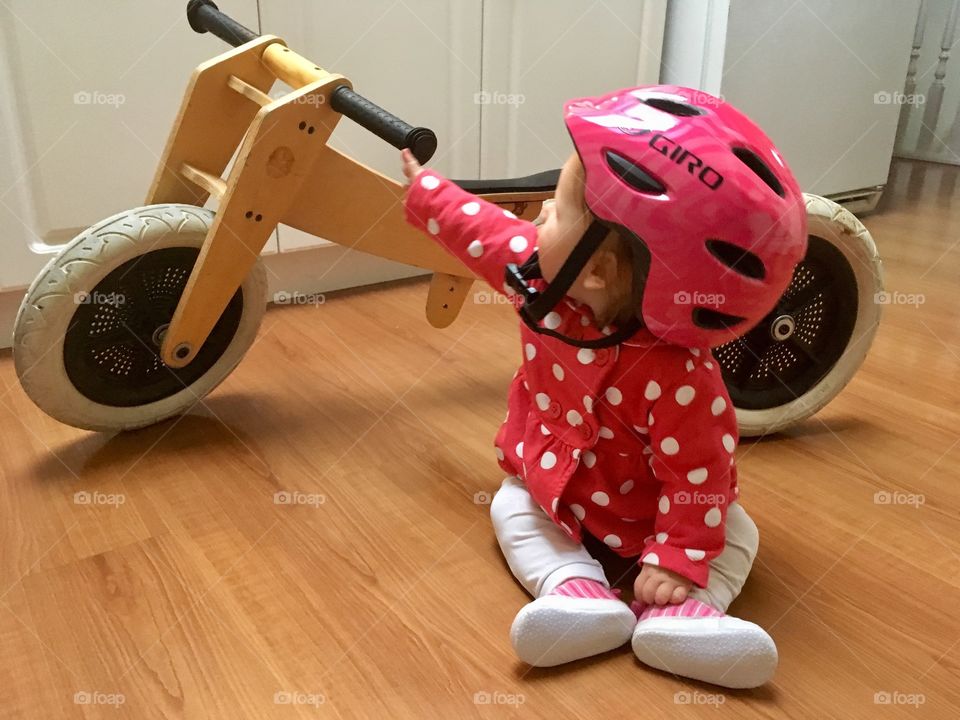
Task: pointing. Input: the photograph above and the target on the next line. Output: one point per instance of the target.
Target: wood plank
(203, 597)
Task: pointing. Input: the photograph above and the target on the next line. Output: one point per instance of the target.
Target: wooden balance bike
(146, 312)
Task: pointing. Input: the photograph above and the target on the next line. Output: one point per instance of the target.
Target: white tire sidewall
(49, 306)
(838, 226)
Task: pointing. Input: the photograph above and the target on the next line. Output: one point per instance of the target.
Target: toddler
(676, 228)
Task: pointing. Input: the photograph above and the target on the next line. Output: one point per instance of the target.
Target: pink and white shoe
(579, 618)
(697, 641)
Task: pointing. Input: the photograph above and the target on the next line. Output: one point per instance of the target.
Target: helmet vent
(674, 107)
(737, 259)
(760, 168)
(713, 320)
(634, 175)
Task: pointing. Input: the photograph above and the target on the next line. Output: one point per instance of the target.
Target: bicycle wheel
(809, 347)
(87, 337)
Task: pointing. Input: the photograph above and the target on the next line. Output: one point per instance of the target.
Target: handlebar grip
(205, 16)
(421, 141)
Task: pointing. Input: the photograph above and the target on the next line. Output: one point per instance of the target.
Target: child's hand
(411, 168)
(661, 586)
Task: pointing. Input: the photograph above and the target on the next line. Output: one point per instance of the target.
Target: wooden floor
(382, 594)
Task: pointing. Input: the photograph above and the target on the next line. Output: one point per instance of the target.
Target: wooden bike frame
(284, 172)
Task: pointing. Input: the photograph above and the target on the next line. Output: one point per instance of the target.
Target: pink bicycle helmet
(704, 196)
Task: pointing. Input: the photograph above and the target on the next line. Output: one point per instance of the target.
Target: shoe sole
(555, 629)
(723, 651)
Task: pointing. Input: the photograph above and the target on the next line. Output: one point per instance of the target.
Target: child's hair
(625, 299)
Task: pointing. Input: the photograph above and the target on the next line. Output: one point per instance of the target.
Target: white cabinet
(95, 88)
(539, 53)
(810, 73)
(419, 60)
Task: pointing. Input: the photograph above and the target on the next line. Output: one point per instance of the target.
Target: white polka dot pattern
(652, 391)
(518, 243)
(593, 452)
(600, 498)
(684, 395)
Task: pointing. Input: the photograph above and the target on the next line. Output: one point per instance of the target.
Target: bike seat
(539, 182)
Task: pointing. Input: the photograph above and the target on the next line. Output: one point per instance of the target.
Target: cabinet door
(420, 61)
(91, 90)
(539, 53)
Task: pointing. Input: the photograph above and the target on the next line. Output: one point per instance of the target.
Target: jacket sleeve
(482, 235)
(693, 435)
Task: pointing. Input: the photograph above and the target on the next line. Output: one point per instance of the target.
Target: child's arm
(482, 235)
(693, 433)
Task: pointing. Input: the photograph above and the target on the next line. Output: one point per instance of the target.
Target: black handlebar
(204, 16)
(385, 125)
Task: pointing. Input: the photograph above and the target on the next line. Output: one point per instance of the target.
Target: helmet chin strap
(537, 304)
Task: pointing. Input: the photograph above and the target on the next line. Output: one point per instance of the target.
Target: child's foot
(579, 618)
(695, 640)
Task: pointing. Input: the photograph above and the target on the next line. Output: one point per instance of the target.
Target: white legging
(541, 555)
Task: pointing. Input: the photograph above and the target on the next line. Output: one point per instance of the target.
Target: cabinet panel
(539, 53)
(809, 74)
(96, 88)
(419, 60)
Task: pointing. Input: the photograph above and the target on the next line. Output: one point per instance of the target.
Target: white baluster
(910, 86)
(953, 140)
(934, 100)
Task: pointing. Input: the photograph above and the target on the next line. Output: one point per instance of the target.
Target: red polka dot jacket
(633, 443)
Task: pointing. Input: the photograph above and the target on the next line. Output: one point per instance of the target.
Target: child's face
(565, 221)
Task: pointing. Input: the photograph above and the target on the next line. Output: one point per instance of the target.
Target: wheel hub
(782, 328)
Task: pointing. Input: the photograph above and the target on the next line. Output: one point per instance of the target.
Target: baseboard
(300, 273)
